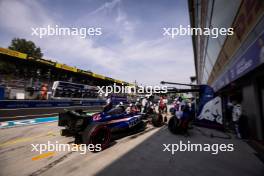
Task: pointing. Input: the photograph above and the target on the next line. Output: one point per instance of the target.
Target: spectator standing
(161, 105)
(138, 104)
(109, 104)
(144, 104)
(236, 115)
(44, 92)
(165, 101)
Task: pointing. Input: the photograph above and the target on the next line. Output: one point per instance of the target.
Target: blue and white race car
(97, 129)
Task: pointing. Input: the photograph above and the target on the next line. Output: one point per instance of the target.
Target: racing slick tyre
(172, 111)
(157, 120)
(173, 125)
(97, 133)
(64, 132)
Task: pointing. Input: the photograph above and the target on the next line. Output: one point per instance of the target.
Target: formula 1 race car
(97, 129)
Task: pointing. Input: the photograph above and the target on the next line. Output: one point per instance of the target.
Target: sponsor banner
(211, 114)
(14, 104)
(16, 123)
(13, 53)
(84, 72)
(117, 99)
(252, 58)
(47, 62)
(206, 94)
(118, 81)
(131, 84)
(212, 111)
(110, 79)
(66, 67)
(127, 84)
(98, 76)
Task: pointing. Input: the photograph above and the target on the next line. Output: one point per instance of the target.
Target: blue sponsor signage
(206, 94)
(26, 122)
(117, 99)
(252, 58)
(16, 123)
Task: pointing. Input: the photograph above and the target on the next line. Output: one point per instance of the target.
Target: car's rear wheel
(97, 133)
(172, 110)
(65, 132)
(157, 120)
(173, 125)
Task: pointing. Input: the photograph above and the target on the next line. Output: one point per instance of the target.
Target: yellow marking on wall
(118, 81)
(98, 76)
(66, 67)
(13, 53)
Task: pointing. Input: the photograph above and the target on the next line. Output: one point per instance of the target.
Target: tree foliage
(24, 46)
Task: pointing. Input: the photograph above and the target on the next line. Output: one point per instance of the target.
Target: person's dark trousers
(243, 127)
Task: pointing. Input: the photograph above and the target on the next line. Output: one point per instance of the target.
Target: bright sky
(132, 46)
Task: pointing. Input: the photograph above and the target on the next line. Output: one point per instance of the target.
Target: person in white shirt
(144, 104)
(138, 104)
(129, 108)
(109, 104)
(165, 101)
(179, 106)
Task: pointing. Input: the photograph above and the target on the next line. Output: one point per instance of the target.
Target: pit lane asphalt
(16, 155)
(137, 154)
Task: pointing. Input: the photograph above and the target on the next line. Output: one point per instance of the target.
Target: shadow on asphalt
(131, 134)
(148, 158)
